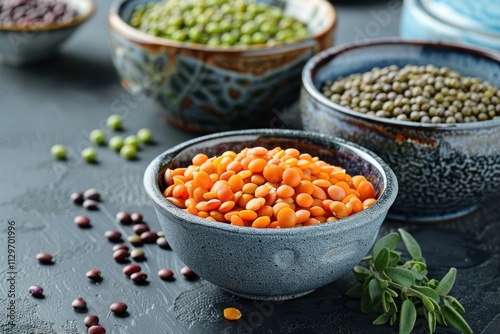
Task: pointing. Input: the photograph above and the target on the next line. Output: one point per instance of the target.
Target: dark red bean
(118, 307)
(124, 217)
(120, 246)
(113, 235)
(82, 221)
(36, 290)
(79, 304)
(136, 217)
(92, 194)
(96, 329)
(77, 198)
(163, 243)
(149, 237)
(131, 268)
(139, 277)
(94, 274)
(45, 258)
(90, 205)
(188, 273)
(166, 274)
(140, 228)
(91, 320)
(120, 255)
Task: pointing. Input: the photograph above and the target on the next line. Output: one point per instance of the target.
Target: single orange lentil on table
(232, 313)
(267, 188)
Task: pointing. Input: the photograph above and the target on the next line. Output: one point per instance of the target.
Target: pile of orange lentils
(265, 188)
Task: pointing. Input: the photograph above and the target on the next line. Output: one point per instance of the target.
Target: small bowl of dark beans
(430, 110)
(32, 30)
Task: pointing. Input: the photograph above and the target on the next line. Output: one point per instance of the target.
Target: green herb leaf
(446, 284)
(393, 319)
(366, 303)
(455, 319)
(355, 292)
(382, 319)
(394, 258)
(428, 304)
(389, 241)
(440, 318)
(401, 276)
(375, 293)
(361, 273)
(456, 304)
(408, 316)
(382, 260)
(411, 244)
(431, 321)
(428, 292)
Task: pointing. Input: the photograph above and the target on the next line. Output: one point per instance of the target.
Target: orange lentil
(273, 173)
(348, 198)
(303, 164)
(336, 193)
(203, 214)
(274, 224)
(310, 221)
(259, 151)
(357, 205)
(178, 202)
(278, 207)
(317, 211)
(265, 210)
(261, 222)
(249, 188)
(257, 179)
(255, 204)
(179, 171)
(305, 187)
(225, 194)
(235, 182)
(331, 219)
(210, 195)
(226, 206)
(318, 193)
(304, 200)
(257, 165)
(291, 177)
(199, 159)
(286, 217)
(236, 220)
(323, 183)
(292, 152)
(192, 209)
(271, 197)
(262, 191)
(302, 215)
(234, 166)
(285, 191)
(356, 180)
(168, 191)
(245, 174)
(366, 190)
(248, 214)
(244, 199)
(203, 180)
(218, 216)
(167, 177)
(368, 202)
(344, 185)
(339, 209)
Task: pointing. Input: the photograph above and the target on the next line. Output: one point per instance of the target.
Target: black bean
(188, 273)
(90, 204)
(163, 243)
(82, 221)
(166, 274)
(120, 255)
(130, 269)
(113, 235)
(140, 228)
(96, 329)
(120, 246)
(92, 194)
(118, 307)
(139, 277)
(149, 237)
(79, 304)
(91, 320)
(36, 290)
(77, 198)
(124, 217)
(45, 258)
(136, 217)
(94, 274)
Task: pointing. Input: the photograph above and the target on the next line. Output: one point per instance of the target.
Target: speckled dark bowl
(443, 170)
(272, 264)
(217, 88)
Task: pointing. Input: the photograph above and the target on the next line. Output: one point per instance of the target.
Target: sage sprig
(401, 290)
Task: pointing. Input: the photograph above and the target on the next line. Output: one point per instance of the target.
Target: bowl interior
(362, 58)
(317, 14)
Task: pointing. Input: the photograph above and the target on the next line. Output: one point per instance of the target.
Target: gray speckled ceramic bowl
(208, 89)
(22, 45)
(443, 170)
(272, 264)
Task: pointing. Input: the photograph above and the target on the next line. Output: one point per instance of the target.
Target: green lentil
(132, 141)
(114, 122)
(97, 137)
(116, 143)
(145, 136)
(425, 94)
(218, 22)
(129, 152)
(89, 154)
(59, 151)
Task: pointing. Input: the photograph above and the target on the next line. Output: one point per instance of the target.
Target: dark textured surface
(61, 101)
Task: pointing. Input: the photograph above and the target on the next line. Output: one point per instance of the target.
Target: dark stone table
(60, 101)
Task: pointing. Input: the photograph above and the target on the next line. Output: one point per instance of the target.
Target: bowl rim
(80, 18)
(383, 203)
(316, 62)
(117, 24)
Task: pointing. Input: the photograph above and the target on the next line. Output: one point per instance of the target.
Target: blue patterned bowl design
(209, 89)
(461, 21)
(443, 170)
(23, 45)
(272, 264)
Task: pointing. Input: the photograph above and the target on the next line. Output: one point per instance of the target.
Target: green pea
(259, 38)
(248, 27)
(268, 28)
(179, 35)
(195, 34)
(228, 38)
(212, 28)
(129, 152)
(132, 140)
(245, 40)
(214, 41)
(59, 152)
(116, 143)
(114, 122)
(89, 154)
(97, 137)
(145, 135)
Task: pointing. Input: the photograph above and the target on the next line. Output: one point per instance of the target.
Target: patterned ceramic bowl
(208, 89)
(272, 264)
(444, 170)
(21, 45)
